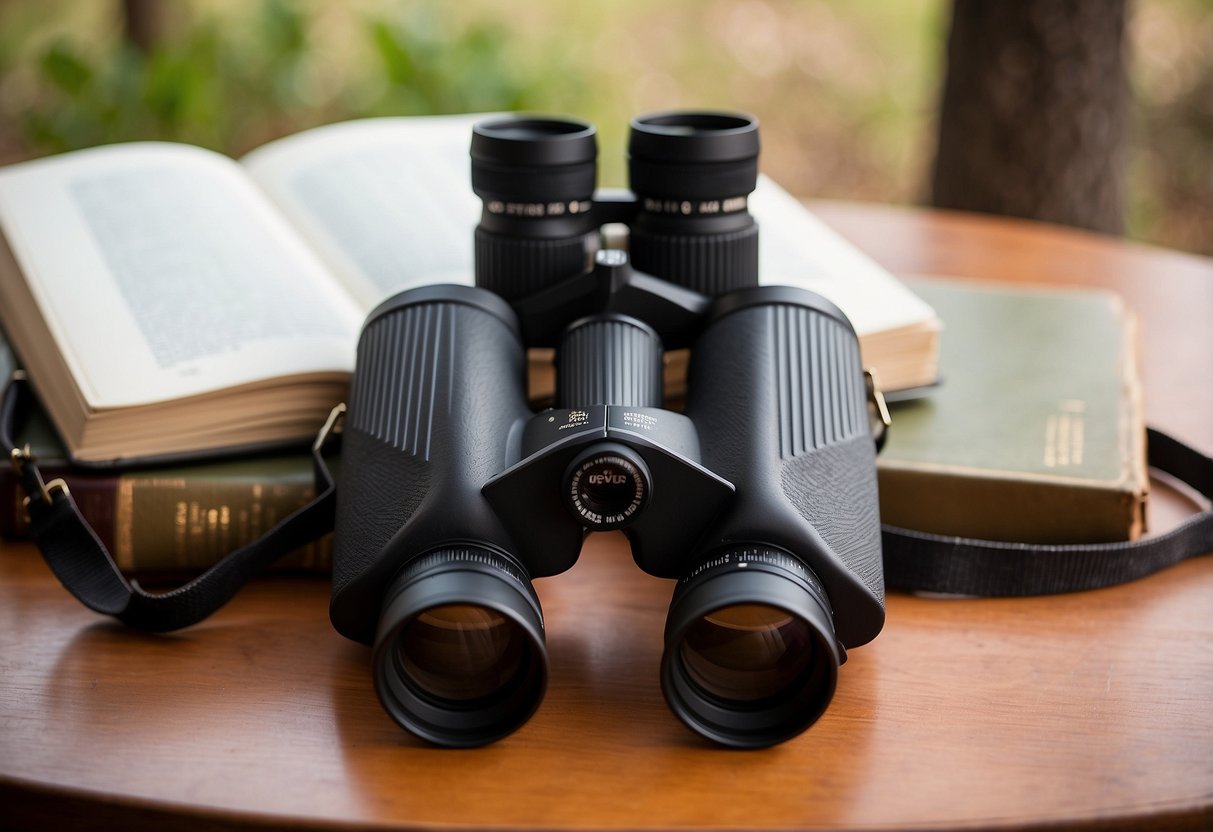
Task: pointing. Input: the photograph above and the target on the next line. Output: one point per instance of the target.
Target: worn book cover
(181, 520)
(1036, 433)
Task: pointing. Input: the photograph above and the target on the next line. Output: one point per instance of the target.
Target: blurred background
(848, 94)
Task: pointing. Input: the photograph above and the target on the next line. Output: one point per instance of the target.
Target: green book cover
(1036, 433)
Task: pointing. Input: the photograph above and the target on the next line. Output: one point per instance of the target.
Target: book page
(387, 203)
(797, 249)
(162, 272)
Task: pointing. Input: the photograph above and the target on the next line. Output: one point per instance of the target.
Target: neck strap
(85, 567)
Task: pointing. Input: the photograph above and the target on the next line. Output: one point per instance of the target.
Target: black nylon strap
(913, 561)
(921, 562)
(87, 570)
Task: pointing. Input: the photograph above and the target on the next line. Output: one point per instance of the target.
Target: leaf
(63, 68)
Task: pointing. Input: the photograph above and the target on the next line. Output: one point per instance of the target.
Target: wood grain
(1079, 711)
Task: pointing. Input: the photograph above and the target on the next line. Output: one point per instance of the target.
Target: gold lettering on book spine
(124, 505)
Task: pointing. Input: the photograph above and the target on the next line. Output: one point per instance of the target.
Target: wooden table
(1082, 711)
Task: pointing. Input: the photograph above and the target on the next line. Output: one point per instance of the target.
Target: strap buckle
(23, 463)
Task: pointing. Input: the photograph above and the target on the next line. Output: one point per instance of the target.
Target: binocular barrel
(792, 571)
(422, 567)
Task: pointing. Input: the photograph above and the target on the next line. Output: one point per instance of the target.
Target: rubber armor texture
(777, 394)
(437, 388)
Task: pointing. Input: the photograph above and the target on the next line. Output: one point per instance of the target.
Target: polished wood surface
(1090, 710)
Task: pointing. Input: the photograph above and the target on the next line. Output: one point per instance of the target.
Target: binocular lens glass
(459, 656)
(747, 652)
(461, 652)
(706, 126)
(751, 658)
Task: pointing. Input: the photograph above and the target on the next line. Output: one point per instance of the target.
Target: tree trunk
(1035, 110)
(143, 22)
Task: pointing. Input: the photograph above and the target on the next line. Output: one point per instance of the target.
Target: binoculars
(759, 498)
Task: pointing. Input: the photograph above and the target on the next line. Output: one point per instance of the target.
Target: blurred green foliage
(230, 77)
(844, 96)
(846, 92)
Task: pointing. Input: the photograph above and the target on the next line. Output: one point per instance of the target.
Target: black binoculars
(759, 498)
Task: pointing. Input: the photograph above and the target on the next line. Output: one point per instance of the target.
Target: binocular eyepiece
(691, 174)
(759, 500)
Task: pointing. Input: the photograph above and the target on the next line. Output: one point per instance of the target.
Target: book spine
(992, 506)
(93, 493)
(176, 523)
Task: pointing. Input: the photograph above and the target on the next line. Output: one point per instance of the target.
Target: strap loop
(83, 565)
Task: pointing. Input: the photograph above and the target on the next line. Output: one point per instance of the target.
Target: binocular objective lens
(459, 657)
(461, 652)
(751, 658)
(747, 652)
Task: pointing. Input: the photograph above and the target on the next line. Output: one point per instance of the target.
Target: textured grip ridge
(515, 267)
(709, 263)
(819, 379)
(404, 376)
(609, 360)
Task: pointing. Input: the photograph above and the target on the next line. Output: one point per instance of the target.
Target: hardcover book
(1036, 433)
(169, 301)
(175, 520)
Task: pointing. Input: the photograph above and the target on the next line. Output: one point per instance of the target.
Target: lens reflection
(461, 652)
(747, 652)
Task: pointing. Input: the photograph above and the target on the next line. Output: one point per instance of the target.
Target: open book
(169, 301)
